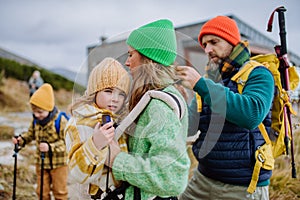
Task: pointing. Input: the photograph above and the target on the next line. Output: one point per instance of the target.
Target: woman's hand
(114, 151)
(103, 135)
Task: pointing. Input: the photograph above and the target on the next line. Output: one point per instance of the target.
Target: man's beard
(214, 65)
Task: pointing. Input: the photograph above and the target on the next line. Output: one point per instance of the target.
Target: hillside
(14, 96)
(78, 77)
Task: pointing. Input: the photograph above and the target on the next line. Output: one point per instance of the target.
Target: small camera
(105, 119)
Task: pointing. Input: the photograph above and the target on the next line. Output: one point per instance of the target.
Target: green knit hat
(156, 40)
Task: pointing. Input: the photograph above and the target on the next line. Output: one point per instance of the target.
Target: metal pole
(16, 149)
(42, 175)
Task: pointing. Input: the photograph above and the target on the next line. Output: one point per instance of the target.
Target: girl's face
(134, 59)
(110, 99)
(40, 114)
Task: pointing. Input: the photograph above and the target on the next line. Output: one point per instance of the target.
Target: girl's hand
(103, 135)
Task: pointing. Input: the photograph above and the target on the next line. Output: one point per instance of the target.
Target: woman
(157, 164)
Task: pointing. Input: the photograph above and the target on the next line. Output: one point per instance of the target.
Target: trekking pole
(281, 51)
(42, 175)
(16, 150)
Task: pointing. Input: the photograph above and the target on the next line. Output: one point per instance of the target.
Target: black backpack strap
(177, 101)
(136, 193)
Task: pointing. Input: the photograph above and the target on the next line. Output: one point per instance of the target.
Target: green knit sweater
(158, 162)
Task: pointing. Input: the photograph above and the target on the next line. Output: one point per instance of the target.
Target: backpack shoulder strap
(177, 105)
(57, 121)
(242, 76)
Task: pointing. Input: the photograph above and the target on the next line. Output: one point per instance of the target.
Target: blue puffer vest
(224, 150)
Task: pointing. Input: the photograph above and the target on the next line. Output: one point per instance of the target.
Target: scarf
(47, 119)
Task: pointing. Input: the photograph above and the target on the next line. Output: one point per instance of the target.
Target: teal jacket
(228, 124)
(157, 162)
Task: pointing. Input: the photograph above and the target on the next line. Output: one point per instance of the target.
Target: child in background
(48, 141)
(87, 139)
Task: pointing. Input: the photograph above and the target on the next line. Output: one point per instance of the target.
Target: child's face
(40, 114)
(111, 99)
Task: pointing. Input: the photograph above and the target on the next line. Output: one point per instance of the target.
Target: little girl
(88, 140)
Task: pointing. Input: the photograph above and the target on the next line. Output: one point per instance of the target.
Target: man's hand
(188, 75)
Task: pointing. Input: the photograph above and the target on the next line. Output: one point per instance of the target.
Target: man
(229, 137)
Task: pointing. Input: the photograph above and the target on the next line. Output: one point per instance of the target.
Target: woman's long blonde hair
(150, 76)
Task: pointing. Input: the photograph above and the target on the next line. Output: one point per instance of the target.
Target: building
(189, 50)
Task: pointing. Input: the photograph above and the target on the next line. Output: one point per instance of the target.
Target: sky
(56, 34)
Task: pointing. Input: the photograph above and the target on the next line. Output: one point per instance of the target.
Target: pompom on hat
(156, 40)
(223, 27)
(109, 73)
(43, 97)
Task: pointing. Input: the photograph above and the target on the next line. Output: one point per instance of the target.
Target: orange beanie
(223, 27)
(43, 97)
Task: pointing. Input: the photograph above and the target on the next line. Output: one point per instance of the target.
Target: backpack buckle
(260, 158)
(241, 81)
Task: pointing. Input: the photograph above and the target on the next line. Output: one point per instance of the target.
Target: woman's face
(110, 99)
(134, 59)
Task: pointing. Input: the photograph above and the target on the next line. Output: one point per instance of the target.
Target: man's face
(216, 48)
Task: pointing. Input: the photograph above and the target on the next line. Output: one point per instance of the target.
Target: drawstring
(107, 175)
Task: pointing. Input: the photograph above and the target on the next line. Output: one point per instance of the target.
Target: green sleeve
(247, 109)
(158, 161)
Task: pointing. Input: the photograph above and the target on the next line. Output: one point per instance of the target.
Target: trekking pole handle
(282, 30)
(17, 147)
(42, 155)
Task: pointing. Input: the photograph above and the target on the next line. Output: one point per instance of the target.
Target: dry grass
(14, 96)
(7, 132)
(25, 184)
(283, 186)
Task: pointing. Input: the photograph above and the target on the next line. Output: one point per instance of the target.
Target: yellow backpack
(274, 148)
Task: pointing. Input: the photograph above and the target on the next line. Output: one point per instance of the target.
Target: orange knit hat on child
(43, 97)
(108, 74)
(223, 27)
